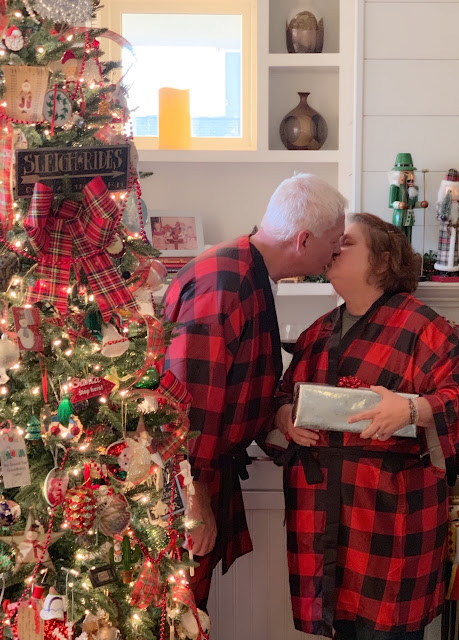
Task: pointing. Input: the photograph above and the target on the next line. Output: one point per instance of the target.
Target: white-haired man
(227, 352)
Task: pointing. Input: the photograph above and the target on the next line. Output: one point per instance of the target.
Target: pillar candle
(174, 122)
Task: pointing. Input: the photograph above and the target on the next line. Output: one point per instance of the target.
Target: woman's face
(351, 267)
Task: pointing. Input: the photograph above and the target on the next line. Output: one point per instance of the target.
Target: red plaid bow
(147, 589)
(182, 594)
(84, 230)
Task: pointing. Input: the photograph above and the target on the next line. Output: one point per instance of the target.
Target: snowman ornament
(26, 335)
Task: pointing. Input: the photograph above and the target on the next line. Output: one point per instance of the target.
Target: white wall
(230, 197)
(410, 100)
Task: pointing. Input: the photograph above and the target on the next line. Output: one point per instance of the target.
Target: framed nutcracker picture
(175, 234)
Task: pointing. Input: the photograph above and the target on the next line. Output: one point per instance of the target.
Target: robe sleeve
(285, 393)
(201, 355)
(436, 378)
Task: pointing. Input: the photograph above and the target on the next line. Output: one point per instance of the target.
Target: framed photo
(174, 233)
(100, 576)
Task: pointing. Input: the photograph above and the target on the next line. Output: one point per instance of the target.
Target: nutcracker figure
(447, 210)
(403, 194)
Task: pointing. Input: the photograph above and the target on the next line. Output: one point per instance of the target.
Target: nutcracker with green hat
(403, 194)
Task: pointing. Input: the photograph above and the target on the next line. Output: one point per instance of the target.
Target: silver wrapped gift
(319, 406)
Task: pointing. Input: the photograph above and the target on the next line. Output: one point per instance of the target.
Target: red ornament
(80, 509)
(56, 629)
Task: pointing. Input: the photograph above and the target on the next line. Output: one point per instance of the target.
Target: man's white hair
(302, 202)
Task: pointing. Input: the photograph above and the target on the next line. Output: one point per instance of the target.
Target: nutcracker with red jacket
(403, 193)
(447, 210)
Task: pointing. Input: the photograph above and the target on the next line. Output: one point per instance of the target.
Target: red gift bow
(83, 229)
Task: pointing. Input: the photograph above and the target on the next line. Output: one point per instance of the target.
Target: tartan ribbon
(6, 198)
(147, 589)
(84, 230)
(182, 594)
(156, 343)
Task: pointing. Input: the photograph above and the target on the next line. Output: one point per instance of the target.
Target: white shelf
(281, 156)
(284, 289)
(304, 60)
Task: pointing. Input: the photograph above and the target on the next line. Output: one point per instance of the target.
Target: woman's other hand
(390, 415)
(283, 422)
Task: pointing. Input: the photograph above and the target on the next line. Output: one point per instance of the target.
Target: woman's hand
(391, 414)
(283, 422)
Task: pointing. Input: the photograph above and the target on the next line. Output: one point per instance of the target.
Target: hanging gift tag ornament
(27, 325)
(10, 512)
(14, 461)
(55, 487)
(25, 91)
(92, 387)
(29, 623)
(57, 107)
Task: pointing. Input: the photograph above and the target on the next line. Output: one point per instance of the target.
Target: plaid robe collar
(339, 345)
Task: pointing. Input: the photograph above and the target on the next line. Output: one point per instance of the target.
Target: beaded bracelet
(414, 411)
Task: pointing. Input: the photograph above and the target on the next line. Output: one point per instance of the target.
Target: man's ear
(301, 240)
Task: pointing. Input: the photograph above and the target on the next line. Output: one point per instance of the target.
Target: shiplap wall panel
(433, 141)
(398, 2)
(432, 31)
(410, 103)
(410, 87)
(252, 601)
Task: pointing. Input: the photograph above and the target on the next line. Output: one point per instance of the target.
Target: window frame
(110, 16)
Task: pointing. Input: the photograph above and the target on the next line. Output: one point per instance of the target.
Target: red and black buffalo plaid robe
(227, 354)
(367, 520)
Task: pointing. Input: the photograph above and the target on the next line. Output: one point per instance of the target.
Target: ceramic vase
(305, 29)
(303, 128)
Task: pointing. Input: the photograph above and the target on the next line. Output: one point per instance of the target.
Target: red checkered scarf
(84, 230)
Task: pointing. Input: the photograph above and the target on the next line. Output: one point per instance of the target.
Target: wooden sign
(49, 165)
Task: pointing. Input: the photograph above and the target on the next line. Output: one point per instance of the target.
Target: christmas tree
(93, 432)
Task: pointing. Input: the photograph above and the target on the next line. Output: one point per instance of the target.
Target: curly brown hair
(396, 265)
